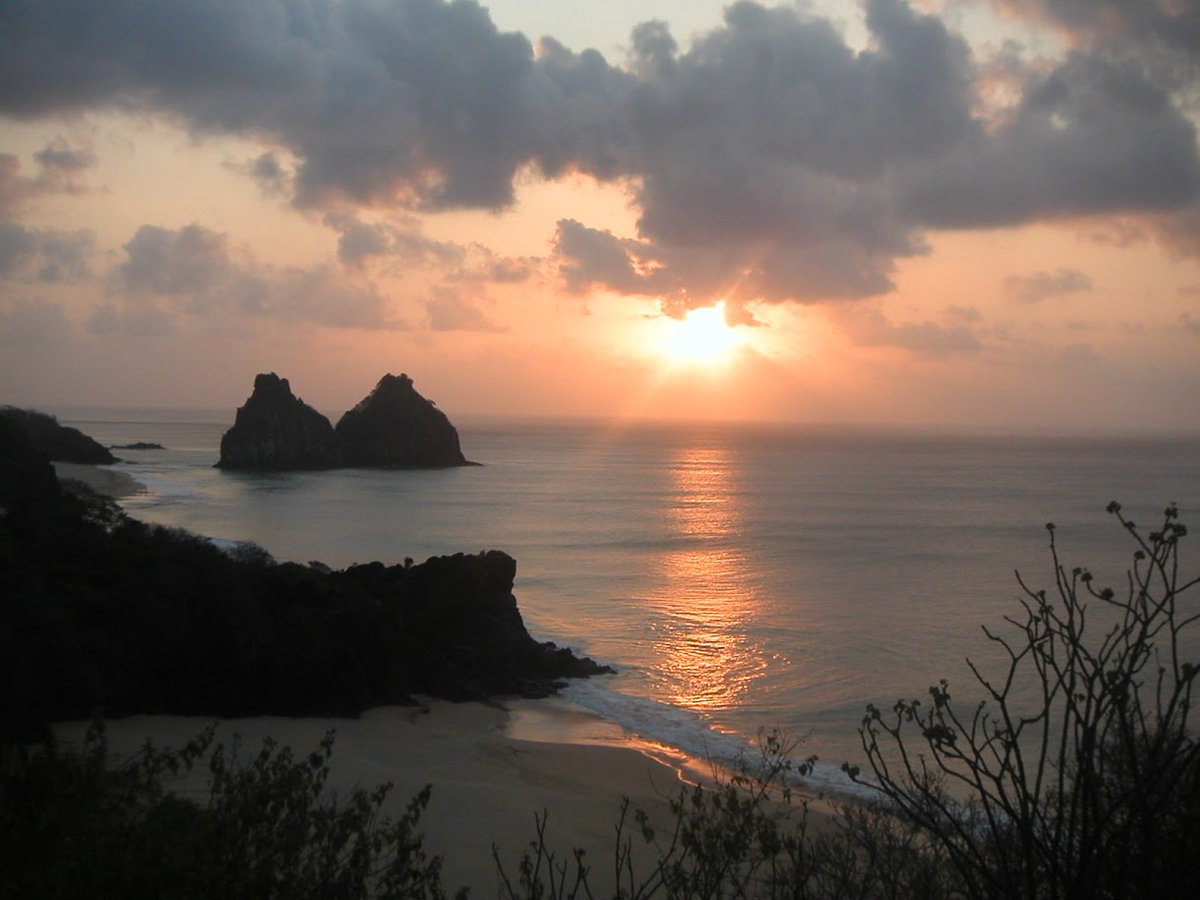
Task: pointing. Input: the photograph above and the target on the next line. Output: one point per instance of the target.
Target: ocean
(741, 578)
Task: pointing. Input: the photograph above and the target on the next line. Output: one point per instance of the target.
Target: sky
(948, 213)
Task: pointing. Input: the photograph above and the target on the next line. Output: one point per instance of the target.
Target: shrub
(72, 826)
(1094, 791)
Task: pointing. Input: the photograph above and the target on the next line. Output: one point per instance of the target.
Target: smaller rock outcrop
(396, 427)
(58, 442)
(277, 430)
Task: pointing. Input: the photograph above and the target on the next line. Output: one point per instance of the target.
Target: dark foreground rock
(105, 613)
(277, 430)
(394, 426)
(55, 441)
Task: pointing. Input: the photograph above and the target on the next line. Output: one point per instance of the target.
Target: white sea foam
(688, 731)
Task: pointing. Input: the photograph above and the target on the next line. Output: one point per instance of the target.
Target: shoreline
(104, 480)
(488, 784)
(494, 768)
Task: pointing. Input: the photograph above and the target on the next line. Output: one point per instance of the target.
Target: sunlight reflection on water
(704, 590)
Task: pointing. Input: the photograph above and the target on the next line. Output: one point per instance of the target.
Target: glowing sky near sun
(976, 213)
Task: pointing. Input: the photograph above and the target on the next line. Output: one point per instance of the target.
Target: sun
(702, 336)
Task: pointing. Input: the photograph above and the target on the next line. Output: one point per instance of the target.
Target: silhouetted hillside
(55, 441)
(102, 612)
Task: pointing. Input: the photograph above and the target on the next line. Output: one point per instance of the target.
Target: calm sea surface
(739, 577)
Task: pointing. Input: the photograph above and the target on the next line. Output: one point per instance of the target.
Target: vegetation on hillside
(101, 612)
(1091, 792)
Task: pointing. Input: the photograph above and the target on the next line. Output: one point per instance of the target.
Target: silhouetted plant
(250, 553)
(73, 826)
(1094, 791)
(735, 837)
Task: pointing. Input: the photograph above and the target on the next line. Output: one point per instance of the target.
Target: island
(137, 445)
(277, 430)
(392, 427)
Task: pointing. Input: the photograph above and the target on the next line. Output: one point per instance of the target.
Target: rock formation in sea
(394, 426)
(57, 442)
(277, 430)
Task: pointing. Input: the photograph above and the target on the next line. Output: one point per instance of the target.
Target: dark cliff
(394, 426)
(55, 441)
(105, 613)
(277, 430)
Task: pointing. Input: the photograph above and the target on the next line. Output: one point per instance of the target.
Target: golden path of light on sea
(705, 594)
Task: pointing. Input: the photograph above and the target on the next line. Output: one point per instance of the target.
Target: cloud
(768, 161)
(61, 163)
(30, 254)
(450, 310)
(590, 258)
(1092, 136)
(1174, 23)
(417, 99)
(869, 327)
(1039, 286)
(166, 262)
(401, 243)
(59, 169)
(37, 254)
(194, 270)
(398, 246)
(1190, 324)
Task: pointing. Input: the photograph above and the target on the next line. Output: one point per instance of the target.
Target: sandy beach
(492, 767)
(101, 479)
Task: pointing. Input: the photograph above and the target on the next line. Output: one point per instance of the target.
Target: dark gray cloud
(595, 258)
(1039, 286)
(418, 99)
(1092, 136)
(768, 160)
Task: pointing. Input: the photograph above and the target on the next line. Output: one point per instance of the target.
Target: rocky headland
(104, 613)
(392, 427)
(57, 442)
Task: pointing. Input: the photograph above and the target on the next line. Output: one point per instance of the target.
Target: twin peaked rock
(393, 427)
